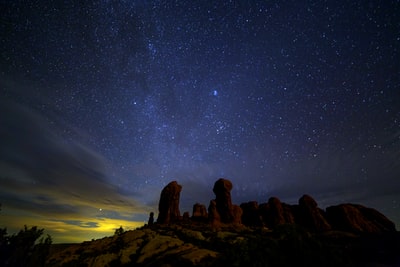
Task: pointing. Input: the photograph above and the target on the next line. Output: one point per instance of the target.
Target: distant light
(100, 209)
(215, 93)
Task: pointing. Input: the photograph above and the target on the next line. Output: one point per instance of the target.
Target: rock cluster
(221, 211)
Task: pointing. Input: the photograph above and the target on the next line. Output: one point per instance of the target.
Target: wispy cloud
(60, 185)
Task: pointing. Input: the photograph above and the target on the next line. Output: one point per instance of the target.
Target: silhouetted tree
(119, 231)
(21, 249)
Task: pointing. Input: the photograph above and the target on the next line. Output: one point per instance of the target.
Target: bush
(22, 249)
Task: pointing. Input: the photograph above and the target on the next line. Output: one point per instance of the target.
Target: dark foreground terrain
(200, 245)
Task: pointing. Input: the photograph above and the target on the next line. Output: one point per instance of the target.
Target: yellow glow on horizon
(63, 231)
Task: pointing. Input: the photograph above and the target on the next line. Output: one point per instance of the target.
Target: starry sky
(105, 102)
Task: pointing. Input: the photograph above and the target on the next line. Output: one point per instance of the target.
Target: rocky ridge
(221, 211)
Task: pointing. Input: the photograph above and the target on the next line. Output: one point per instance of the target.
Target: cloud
(47, 177)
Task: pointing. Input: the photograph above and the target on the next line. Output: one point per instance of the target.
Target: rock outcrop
(151, 219)
(222, 190)
(199, 212)
(186, 216)
(237, 214)
(357, 218)
(251, 214)
(168, 206)
(221, 212)
(277, 213)
(310, 216)
(144, 247)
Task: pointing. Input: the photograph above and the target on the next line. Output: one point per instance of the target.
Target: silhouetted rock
(251, 215)
(276, 216)
(310, 216)
(151, 219)
(280, 213)
(199, 212)
(276, 213)
(357, 218)
(186, 216)
(222, 190)
(168, 206)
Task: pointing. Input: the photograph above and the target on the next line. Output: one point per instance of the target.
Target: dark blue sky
(104, 103)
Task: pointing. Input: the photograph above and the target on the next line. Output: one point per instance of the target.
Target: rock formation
(222, 190)
(251, 214)
(168, 206)
(213, 215)
(199, 212)
(276, 213)
(357, 218)
(276, 216)
(151, 219)
(186, 216)
(177, 241)
(221, 212)
(310, 216)
(237, 214)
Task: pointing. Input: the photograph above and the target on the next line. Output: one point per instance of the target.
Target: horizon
(104, 103)
(87, 229)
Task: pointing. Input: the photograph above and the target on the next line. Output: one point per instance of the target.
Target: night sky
(103, 103)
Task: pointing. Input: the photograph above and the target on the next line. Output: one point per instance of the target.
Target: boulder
(357, 218)
(168, 206)
(310, 216)
(222, 190)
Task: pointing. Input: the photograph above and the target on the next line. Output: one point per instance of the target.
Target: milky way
(281, 98)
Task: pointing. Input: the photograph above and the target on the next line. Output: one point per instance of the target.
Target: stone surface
(222, 190)
(310, 216)
(168, 206)
(193, 235)
(158, 245)
(197, 256)
(357, 218)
